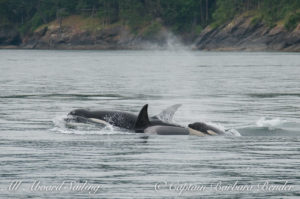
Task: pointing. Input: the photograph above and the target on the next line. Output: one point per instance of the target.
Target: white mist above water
(170, 43)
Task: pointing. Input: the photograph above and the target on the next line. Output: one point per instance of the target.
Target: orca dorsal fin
(142, 120)
(168, 114)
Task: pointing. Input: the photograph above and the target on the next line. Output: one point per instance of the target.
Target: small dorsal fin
(168, 114)
(142, 120)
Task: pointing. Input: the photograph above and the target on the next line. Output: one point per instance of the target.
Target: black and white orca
(203, 129)
(120, 119)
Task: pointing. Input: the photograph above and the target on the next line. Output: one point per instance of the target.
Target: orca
(203, 129)
(144, 125)
(141, 123)
(120, 119)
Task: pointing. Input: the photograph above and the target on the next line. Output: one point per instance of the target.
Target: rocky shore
(240, 34)
(243, 34)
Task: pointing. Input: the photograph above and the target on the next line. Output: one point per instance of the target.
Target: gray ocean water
(256, 94)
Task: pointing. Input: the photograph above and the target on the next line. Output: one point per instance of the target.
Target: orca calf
(120, 119)
(203, 129)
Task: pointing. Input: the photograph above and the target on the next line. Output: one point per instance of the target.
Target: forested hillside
(186, 18)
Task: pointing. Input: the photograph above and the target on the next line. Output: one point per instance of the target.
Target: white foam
(232, 132)
(62, 126)
(228, 132)
(270, 123)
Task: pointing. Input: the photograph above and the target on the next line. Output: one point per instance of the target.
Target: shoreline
(86, 48)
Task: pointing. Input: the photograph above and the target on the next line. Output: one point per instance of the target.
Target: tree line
(180, 15)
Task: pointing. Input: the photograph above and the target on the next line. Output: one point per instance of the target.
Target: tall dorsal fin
(142, 120)
(168, 114)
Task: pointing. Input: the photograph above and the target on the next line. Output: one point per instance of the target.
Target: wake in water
(267, 126)
(68, 125)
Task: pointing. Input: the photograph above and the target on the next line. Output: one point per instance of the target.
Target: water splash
(270, 123)
(228, 132)
(63, 124)
(232, 132)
